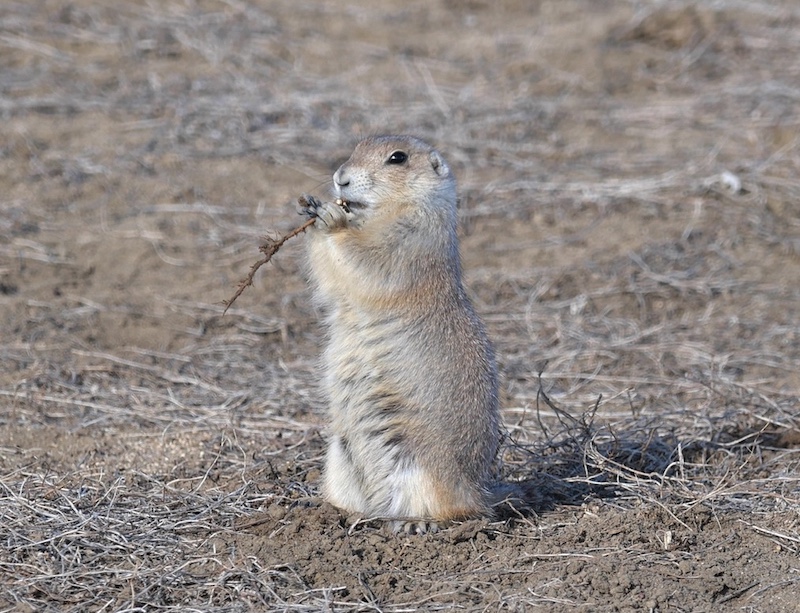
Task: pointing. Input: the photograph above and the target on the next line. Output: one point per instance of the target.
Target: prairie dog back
(408, 370)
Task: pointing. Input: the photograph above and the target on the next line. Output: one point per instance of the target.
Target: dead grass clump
(639, 461)
(83, 542)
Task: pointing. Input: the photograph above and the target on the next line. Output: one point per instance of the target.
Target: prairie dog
(409, 371)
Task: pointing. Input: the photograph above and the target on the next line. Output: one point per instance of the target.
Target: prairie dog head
(395, 175)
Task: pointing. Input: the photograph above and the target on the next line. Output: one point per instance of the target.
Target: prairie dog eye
(397, 157)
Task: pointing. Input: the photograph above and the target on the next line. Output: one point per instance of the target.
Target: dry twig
(270, 248)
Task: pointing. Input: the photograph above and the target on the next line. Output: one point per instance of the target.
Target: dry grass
(630, 236)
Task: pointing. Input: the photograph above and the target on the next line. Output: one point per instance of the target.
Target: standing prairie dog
(409, 372)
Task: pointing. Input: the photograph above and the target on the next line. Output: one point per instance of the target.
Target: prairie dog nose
(341, 177)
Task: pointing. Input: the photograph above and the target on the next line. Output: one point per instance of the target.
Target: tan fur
(409, 372)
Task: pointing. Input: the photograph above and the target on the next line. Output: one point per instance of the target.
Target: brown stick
(269, 248)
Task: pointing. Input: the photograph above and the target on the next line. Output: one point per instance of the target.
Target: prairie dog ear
(438, 164)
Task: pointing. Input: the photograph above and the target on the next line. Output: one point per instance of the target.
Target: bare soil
(630, 206)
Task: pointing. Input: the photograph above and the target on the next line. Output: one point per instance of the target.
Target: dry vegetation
(630, 189)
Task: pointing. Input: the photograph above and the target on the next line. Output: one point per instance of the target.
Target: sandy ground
(630, 209)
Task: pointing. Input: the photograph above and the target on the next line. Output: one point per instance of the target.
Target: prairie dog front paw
(330, 214)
